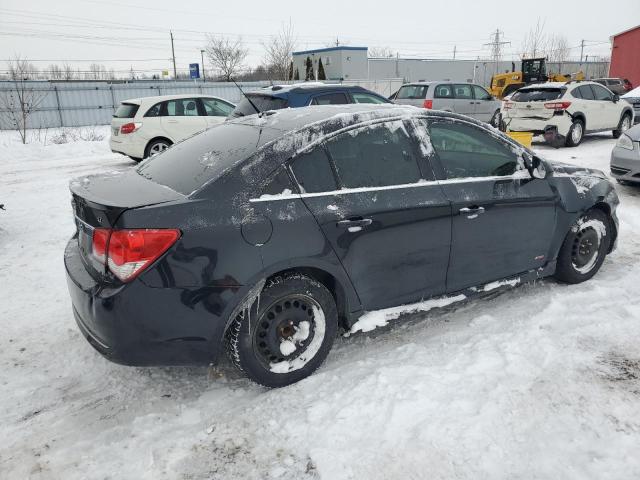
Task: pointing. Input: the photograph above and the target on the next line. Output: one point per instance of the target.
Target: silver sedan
(625, 157)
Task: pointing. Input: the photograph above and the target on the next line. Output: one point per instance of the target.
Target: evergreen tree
(309, 73)
(296, 75)
(290, 76)
(321, 74)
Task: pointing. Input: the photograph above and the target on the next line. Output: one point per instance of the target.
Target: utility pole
(581, 49)
(496, 47)
(454, 52)
(337, 42)
(204, 76)
(173, 56)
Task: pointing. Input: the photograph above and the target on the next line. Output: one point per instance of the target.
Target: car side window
(313, 172)
(154, 111)
(463, 91)
(601, 93)
(375, 156)
(443, 91)
(278, 183)
(216, 108)
(480, 93)
(330, 99)
(466, 151)
(585, 92)
(359, 97)
(182, 107)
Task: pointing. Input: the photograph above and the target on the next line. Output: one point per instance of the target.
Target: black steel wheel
(584, 248)
(286, 333)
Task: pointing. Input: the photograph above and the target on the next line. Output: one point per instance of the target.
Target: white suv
(143, 127)
(565, 112)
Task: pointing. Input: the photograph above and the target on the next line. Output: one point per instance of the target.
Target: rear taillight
(129, 128)
(128, 252)
(428, 104)
(557, 105)
(507, 105)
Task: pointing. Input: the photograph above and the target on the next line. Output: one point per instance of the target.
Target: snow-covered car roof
(635, 93)
(160, 98)
(537, 86)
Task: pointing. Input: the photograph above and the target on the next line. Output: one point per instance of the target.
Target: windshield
(126, 110)
(412, 92)
(537, 94)
(188, 165)
(263, 102)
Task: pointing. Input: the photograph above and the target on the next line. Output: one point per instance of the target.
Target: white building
(339, 63)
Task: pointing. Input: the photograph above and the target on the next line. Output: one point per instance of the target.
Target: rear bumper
(134, 324)
(127, 145)
(537, 126)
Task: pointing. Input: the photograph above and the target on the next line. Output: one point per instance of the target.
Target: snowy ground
(539, 382)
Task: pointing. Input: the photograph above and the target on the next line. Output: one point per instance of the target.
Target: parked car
(616, 85)
(625, 157)
(464, 98)
(277, 231)
(298, 95)
(565, 112)
(144, 127)
(633, 97)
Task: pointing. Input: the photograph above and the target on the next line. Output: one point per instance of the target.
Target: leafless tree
(54, 72)
(227, 56)
(381, 52)
(535, 41)
(557, 48)
(67, 72)
(22, 99)
(278, 52)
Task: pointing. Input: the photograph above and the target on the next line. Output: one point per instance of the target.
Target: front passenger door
(503, 220)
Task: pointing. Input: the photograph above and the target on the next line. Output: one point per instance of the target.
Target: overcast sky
(126, 33)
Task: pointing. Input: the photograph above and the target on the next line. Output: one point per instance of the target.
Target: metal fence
(73, 104)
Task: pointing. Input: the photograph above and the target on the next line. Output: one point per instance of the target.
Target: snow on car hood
(560, 168)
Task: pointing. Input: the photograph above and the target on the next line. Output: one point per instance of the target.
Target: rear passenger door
(389, 226)
(502, 219)
(443, 98)
(181, 118)
(463, 102)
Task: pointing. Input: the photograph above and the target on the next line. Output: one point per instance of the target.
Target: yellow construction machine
(534, 70)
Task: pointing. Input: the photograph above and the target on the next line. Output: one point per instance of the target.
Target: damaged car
(267, 235)
(565, 112)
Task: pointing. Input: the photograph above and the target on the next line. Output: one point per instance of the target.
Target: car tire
(156, 146)
(495, 119)
(575, 134)
(287, 332)
(584, 248)
(623, 125)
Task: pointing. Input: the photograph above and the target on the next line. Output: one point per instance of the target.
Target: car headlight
(625, 142)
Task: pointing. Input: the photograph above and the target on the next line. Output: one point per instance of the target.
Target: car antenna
(245, 96)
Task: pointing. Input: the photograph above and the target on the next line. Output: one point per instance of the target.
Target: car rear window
(412, 92)
(188, 165)
(262, 102)
(126, 110)
(537, 94)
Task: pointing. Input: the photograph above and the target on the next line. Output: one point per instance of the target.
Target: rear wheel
(156, 147)
(575, 134)
(584, 248)
(623, 125)
(286, 334)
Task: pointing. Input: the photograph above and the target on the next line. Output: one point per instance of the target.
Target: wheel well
(146, 149)
(580, 116)
(627, 112)
(331, 283)
(606, 209)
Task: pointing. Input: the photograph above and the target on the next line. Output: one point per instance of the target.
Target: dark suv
(268, 234)
(302, 95)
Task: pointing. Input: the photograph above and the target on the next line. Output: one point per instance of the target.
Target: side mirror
(616, 98)
(535, 166)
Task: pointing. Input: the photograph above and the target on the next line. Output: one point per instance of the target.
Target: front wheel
(287, 332)
(584, 248)
(623, 125)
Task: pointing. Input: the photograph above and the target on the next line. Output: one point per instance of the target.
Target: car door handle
(471, 212)
(172, 121)
(355, 222)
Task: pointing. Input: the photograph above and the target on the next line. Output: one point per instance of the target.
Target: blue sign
(194, 70)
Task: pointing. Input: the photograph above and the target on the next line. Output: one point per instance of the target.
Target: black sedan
(268, 234)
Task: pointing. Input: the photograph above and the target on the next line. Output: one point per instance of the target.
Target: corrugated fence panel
(73, 104)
